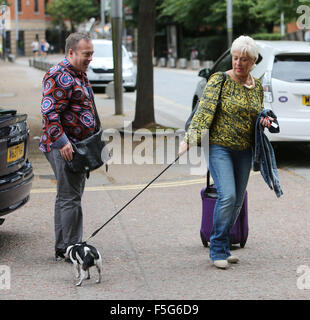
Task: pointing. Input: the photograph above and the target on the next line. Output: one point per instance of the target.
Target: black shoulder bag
(90, 153)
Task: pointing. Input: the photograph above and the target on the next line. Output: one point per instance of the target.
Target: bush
(267, 36)
(209, 48)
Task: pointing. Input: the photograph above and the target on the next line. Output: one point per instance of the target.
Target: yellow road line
(170, 184)
(130, 186)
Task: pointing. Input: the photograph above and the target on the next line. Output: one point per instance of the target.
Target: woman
(231, 137)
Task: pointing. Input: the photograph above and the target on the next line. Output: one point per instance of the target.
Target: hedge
(267, 36)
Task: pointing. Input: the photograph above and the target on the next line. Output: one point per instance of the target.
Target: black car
(16, 173)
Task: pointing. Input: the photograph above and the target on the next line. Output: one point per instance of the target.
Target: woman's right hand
(266, 122)
(183, 147)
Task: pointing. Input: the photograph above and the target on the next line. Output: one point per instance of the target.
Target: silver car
(100, 70)
(284, 69)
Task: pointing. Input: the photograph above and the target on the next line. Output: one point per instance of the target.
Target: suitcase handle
(210, 192)
(208, 179)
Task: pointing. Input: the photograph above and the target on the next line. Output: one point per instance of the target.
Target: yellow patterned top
(233, 124)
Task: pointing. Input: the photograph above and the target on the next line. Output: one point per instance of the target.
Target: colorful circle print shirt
(66, 107)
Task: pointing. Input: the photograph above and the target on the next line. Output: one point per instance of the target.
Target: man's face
(82, 56)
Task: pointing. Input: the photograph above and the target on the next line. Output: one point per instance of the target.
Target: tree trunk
(144, 115)
(72, 26)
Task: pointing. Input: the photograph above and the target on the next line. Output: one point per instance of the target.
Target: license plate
(16, 152)
(306, 100)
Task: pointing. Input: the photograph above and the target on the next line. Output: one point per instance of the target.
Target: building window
(19, 3)
(36, 6)
(45, 6)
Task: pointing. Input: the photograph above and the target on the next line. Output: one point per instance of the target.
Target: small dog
(84, 256)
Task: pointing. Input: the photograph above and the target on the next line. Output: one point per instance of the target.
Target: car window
(105, 50)
(224, 64)
(291, 67)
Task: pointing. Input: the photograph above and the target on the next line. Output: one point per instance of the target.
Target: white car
(100, 71)
(284, 69)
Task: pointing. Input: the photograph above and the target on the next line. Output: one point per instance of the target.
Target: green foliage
(76, 11)
(248, 15)
(267, 36)
(209, 48)
(189, 13)
(270, 10)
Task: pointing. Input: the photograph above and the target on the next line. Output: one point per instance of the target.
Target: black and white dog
(84, 256)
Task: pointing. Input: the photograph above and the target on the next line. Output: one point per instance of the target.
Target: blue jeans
(230, 170)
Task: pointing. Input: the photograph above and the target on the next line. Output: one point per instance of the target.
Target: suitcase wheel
(242, 244)
(203, 240)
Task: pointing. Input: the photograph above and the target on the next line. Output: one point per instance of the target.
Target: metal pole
(282, 24)
(229, 18)
(3, 9)
(16, 26)
(116, 18)
(102, 16)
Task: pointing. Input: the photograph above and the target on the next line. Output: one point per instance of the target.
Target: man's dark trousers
(68, 208)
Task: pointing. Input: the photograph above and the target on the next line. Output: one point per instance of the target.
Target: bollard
(208, 64)
(182, 63)
(162, 62)
(195, 64)
(171, 63)
(154, 61)
(11, 57)
(109, 90)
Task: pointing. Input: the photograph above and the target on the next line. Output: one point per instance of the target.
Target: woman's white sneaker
(221, 264)
(233, 259)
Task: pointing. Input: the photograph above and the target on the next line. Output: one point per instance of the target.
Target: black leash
(119, 211)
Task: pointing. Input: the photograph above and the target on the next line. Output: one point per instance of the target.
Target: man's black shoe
(59, 253)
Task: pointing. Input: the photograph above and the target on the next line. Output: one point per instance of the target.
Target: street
(152, 250)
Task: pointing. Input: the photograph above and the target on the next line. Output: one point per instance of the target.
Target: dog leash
(120, 210)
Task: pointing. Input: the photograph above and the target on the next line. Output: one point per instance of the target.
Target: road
(152, 250)
(173, 93)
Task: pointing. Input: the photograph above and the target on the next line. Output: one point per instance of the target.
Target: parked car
(283, 67)
(101, 69)
(16, 173)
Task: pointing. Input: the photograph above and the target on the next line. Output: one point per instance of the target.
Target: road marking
(130, 186)
(170, 184)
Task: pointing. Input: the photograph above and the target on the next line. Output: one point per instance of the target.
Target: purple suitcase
(239, 233)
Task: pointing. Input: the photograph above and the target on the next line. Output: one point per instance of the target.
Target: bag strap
(222, 84)
(95, 110)
(218, 103)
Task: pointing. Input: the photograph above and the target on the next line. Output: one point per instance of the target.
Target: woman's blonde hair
(245, 44)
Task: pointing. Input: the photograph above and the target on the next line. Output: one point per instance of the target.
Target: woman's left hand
(266, 122)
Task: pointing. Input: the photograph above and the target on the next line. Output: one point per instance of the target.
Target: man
(67, 116)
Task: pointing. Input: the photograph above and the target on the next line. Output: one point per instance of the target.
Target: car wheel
(130, 89)
(203, 240)
(99, 89)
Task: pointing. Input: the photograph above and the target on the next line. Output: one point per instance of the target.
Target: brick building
(32, 23)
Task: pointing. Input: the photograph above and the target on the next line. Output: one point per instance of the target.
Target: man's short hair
(73, 40)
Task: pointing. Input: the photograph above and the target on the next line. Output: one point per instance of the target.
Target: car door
(291, 92)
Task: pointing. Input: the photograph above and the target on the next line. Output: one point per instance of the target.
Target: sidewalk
(152, 250)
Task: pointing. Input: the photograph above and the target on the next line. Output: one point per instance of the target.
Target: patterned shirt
(66, 107)
(232, 124)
